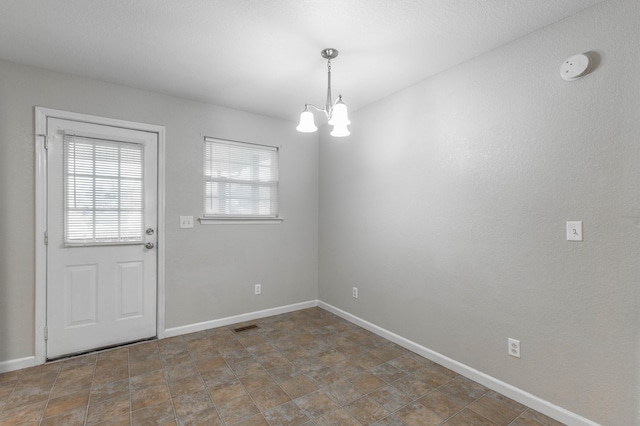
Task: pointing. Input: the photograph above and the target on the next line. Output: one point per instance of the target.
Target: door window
(103, 191)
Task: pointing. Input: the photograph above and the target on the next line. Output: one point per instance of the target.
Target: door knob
(149, 246)
(149, 231)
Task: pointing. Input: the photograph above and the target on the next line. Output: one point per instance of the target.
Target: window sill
(240, 221)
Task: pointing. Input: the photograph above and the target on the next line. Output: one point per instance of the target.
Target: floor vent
(245, 328)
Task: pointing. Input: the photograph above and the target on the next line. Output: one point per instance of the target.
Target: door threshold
(99, 350)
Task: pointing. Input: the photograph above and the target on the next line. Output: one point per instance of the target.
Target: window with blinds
(103, 191)
(241, 180)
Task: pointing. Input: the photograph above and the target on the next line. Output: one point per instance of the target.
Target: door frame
(41, 116)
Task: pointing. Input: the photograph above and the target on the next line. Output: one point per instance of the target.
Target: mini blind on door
(241, 180)
(103, 191)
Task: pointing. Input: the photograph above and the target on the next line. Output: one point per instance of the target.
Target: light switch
(574, 231)
(186, 221)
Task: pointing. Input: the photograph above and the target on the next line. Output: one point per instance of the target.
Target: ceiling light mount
(336, 112)
(329, 53)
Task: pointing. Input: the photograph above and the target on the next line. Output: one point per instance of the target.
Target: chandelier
(336, 112)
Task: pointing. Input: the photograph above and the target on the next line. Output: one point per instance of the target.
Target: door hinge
(46, 238)
(46, 140)
(46, 333)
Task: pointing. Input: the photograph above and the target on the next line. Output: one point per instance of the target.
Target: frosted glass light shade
(339, 116)
(306, 124)
(340, 131)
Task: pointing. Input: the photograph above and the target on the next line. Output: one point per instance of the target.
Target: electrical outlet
(514, 347)
(258, 289)
(355, 292)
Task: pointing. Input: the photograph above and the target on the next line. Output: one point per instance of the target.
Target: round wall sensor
(575, 67)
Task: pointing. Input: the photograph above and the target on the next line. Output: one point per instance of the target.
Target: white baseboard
(192, 328)
(17, 364)
(523, 397)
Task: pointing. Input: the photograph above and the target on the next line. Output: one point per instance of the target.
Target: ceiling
(264, 56)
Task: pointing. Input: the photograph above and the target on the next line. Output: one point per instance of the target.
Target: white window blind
(103, 191)
(241, 180)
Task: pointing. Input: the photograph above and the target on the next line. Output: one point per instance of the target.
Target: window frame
(213, 219)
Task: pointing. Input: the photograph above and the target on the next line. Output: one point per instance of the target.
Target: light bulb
(306, 124)
(339, 116)
(340, 131)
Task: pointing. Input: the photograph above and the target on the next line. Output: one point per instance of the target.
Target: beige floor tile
(144, 365)
(332, 357)
(121, 420)
(210, 363)
(412, 386)
(11, 377)
(100, 411)
(387, 372)
(386, 353)
(173, 373)
(337, 417)
(533, 418)
(186, 386)
(441, 404)
(73, 417)
(342, 392)
(218, 377)
(316, 404)
(391, 420)
(366, 382)
(228, 391)
(288, 414)
(367, 411)
(390, 398)
(146, 380)
(283, 373)
(208, 416)
(269, 397)
(68, 402)
(174, 359)
(497, 408)
(324, 377)
(189, 404)
(28, 413)
(257, 380)
(27, 396)
(148, 396)
(246, 367)
(237, 409)
(467, 417)
(257, 420)
(110, 374)
(158, 414)
(463, 390)
(416, 414)
(347, 368)
(110, 390)
(431, 376)
(298, 386)
(69, 385)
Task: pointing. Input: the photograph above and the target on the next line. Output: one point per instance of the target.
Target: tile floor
(308, 367)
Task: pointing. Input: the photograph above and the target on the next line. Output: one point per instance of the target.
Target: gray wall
(447, 205)
(210, 270)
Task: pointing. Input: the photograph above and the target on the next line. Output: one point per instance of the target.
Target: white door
(102, 213)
